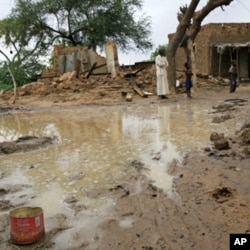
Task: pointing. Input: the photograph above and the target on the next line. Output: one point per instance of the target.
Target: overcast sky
(163, 16)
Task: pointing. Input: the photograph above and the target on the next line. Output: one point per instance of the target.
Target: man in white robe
(161, 75)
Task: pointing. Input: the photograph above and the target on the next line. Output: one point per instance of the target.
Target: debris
(128, 97)
(139, 91)
(125, 188)
(124, 93)
(133, 74)
(91, 70)
(219, 141)
(96, 67)
(222, 194)
(221, 144)
(245, 136)
(236, 100)
(215, 136)
(224, 108)
(222, 118)
(24, 144)
(137, 165)
(147, 93)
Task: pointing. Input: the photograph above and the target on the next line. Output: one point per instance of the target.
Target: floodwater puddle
(93, 149)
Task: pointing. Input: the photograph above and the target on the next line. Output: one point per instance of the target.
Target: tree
(11, 75)
(89, 23)
(189, 25)
(25, 52)
(155, 53)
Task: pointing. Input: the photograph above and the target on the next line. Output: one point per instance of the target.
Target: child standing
(233, 76)
(188, 81)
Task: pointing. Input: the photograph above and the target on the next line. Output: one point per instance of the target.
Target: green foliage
(34, 26)
(24, 73)
(155, 53)
(5, 81)
(90, 23)
(24, 47)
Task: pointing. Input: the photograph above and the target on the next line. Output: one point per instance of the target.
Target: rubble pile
(129, 84)
(124, 82)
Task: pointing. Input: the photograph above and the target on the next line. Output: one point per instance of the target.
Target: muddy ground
(210, 197)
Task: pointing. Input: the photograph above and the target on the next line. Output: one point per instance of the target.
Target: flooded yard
(94, 147)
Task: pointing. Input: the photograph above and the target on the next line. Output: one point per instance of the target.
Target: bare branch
(201, 14)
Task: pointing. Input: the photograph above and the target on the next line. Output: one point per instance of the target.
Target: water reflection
(96, 144)
(93, 148)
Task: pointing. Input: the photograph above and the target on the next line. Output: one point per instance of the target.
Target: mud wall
(207, 58)
(81, 60)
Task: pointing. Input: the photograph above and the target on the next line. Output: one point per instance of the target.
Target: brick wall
(210, 35)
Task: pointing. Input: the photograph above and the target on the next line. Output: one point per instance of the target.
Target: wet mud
(24, 144)
(208, 199)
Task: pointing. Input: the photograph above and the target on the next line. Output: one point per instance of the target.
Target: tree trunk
(194, 28)
(11, 74)
(175, 41)
(171, 73)
(14, 83)
(193, 63)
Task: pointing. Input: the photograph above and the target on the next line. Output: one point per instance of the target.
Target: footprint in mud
(235, 100)
(162, 244)
(5, 205)
(222, 194)
(3, 191)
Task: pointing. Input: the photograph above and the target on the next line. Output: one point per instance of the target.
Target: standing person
(188, 81)
(161, 74)
(233, 76)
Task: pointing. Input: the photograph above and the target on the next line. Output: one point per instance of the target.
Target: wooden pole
(237, 65)
(14, 83)
(220, 65)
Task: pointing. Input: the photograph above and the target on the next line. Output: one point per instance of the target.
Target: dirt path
(210, 197)
(210, 200)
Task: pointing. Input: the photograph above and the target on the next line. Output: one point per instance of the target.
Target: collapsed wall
(82, 60)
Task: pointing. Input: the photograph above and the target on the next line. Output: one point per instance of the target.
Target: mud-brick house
(216, 45)
(83, 61)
